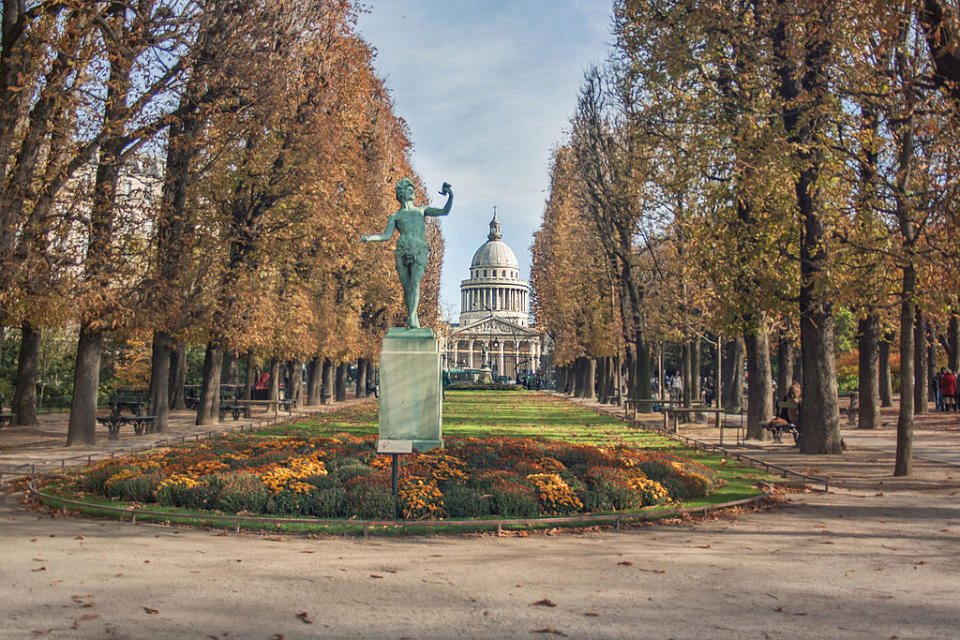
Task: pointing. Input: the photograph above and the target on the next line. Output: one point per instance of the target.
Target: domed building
(494, 329)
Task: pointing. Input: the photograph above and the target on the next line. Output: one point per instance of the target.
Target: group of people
(945, 385)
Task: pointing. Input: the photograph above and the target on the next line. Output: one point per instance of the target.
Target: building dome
(495, 252)
(494, 286)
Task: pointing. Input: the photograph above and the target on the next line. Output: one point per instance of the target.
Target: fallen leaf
(146, 562)
(550, 630)
(306, 618)
(151, 611)
(543, 603)
(278, 636)
(373, 575)
(308, 551)
(89, 616)
(39, 559)
(591, 614)
(79, 538)
(87, 604)
(39, 569)
(34, 539)
(703, 546)
(625, 563)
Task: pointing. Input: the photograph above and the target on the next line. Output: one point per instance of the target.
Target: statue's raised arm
(445, 190)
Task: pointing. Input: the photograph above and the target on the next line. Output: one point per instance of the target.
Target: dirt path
(868, 560)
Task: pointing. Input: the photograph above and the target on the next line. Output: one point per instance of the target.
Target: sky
(487, 88)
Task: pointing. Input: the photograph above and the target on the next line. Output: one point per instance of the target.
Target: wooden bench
(6, 419)
(248, 404)
(113, 422)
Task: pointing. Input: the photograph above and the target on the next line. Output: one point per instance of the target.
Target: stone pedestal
(410, 390)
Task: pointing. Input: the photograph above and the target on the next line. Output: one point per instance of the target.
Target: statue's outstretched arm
(446, 190)
(382, 237)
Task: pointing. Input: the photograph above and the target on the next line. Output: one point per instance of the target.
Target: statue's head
(405, 189)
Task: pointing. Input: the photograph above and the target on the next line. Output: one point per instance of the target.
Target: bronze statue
(412, 249)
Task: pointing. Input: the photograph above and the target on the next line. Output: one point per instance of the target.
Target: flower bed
(341, 476)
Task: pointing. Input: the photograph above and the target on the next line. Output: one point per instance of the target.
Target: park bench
(133, 401)
(234, 409)
(288, 404)
(6, 419)
(114, 421)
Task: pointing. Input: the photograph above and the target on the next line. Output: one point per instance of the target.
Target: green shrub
(175, 495)
(657, 468)
(464, 502)
(287, 502)
(350, 468)
(328, 481)
(594, 501)
(515, 501)
(677, 488)
(138, 488)
(329, 502)
(370, 502)
(95, 478)
(243, 492)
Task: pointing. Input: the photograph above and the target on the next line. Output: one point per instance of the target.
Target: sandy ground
(875, 558)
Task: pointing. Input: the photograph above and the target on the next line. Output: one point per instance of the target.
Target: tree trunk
(361, 386)
(341, 383)
(886, 383)
(326, 375)
(274, 379)
(733, 374)
(578, 377)
(86, 383)
(231, 368)
(24, 406)
(869, 372)
(760, 383)
(696, 393)
(160, 381)
(784, 364)
(953, 344)
(296, 381)
(904, 459)
(209, 410)
(178, 376)
(251, 377)
(313, 382)
(931, 358)
(590, 378)
(685, 373)
(919, 363)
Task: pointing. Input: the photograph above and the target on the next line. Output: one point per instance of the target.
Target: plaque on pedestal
(410, 390)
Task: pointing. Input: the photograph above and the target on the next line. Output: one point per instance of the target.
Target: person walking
(936, 386)
(948, 389)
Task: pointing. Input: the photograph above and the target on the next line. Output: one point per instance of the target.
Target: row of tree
(752, 167)
(277, 144)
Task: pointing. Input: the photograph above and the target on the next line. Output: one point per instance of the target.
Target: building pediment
(495, 326)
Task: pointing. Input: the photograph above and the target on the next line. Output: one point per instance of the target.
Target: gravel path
(877, 558)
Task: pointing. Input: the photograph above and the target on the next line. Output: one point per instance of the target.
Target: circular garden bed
(342, 476)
